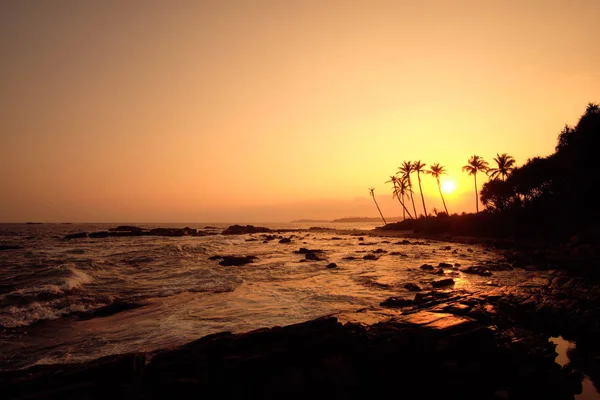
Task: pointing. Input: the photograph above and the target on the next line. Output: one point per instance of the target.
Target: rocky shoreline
(441, 343)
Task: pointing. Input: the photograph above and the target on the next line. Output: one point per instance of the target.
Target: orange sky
(244, 111)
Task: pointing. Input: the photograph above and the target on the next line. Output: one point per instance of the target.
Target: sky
(244, 111)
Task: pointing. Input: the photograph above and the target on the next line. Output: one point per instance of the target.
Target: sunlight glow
(448, 186)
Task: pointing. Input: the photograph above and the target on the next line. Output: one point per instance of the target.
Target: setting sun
(448, 186)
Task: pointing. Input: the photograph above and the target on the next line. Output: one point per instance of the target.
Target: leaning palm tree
(399, 193)
(474, 165)
(436, 170)
(372, 190)
(419, 168)
(406, 169)
(506, 165)
(592, 108)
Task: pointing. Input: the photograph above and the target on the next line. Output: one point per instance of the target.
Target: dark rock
(78, 235)
(370, 257)
(439, 271)
(235, 260)
(304, 250)
(379, 251)
(477, 270)
(413, 287)
(9, 247)
(396, 302)
(240, 230)
(444, 265)
(126, 228)
(285, 240)
(101, 234)
(332, 265)
(215, 257)
(167, 232)
(311, 255)
(426, 267)
(442, 282)
(397, 253)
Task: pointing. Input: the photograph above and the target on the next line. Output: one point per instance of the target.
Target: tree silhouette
(400, 189)
(406, 169)
(474, 165)
(436, 170)
(506, 164)
(419, 168)
(372, 191)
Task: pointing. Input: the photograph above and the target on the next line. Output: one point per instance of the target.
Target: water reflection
(568, 352)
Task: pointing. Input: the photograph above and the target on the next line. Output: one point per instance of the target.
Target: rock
(396, 302)
(240, 230)
(379, 251)
(311, 255)
(477, 270)
(126, 228)
(9, 247)
(444, 265)
(439, 271)
(285, 240)
(101, 234)
(78, 235)
(397, 253)
(235, 260)
(413, 287)
(332, 265)
(304, 250)
(442, 282)
(370, 257)
(427, 267)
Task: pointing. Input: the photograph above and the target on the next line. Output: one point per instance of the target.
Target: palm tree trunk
(476, 195)
(377, 205)
(404, 209)
(421, 192)
(412, 198)
(442, 196)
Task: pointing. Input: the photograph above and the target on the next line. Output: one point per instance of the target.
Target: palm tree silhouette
(419, 167)
(406, 169)
(436, 170)
(399, 193)
(474, 165)
(506, 164)
(592, 108)
(372, 191)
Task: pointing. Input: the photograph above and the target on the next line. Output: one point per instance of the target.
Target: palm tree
(592, 108)
(406, 169)
(399, 193)
(506, 164)
(372, 190)
(419, 168)
(436, 170)
(474, 165)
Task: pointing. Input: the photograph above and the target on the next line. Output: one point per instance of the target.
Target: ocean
(70, 301)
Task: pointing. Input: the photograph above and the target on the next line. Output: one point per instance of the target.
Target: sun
(448, 186)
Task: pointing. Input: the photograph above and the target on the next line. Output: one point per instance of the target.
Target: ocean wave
(20, 316)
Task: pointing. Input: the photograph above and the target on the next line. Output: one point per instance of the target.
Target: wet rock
(127, 228)
(379, 251)
(237, 260)
(426, 267)
(285, 240)
(446, 248)
(439, 271)
(101, 234)
(477, 270)
(444, 265)
(240, 230)
(349, 258)
(304, 250)
(311, 255)
(413, 287)
(332, 265)
(396, 302)
(78, 235)
(9, 247)
(442, 282)
(370, 257)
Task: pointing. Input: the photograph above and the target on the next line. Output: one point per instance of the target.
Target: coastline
(465, 342)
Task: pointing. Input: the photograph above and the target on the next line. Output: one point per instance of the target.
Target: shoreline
(327, 356)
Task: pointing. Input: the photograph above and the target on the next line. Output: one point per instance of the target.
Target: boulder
(412, 287)
(237, 260)
(442, 282)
